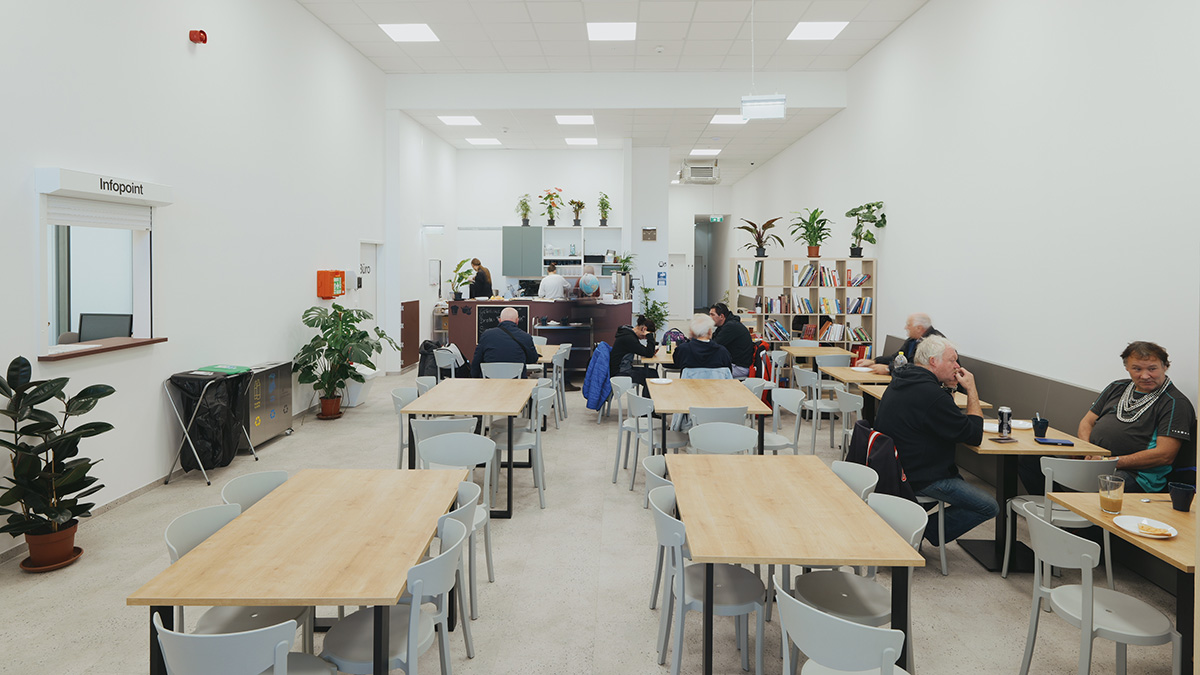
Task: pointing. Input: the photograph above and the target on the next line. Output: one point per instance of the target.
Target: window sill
(79, 349)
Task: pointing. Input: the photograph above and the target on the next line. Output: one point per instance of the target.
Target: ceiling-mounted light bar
(768, 107)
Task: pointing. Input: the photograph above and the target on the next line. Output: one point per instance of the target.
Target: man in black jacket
(919, 414)
(734, 337)
(627, 345)
(505, 343)
(918, 326)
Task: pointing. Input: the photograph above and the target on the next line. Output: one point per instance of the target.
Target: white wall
(685, 202)
(271, 137)
(650, 208)
(1034, 175)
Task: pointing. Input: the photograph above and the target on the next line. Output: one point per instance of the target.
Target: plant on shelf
(552, 201)
(524, 207)
(328, 360)
(49, 479)
(461, 276)
(576, 207)
(812, 230)
(604, 207)
(654, 310)
(869, 214)
(625, 261)
(760, 236)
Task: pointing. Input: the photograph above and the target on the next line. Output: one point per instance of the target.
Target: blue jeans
(970, 506)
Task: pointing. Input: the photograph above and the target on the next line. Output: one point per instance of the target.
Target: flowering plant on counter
(552, 201)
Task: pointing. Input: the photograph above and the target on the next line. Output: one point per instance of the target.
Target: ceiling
(550, 36)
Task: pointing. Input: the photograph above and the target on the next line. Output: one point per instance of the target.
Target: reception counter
(581, 322)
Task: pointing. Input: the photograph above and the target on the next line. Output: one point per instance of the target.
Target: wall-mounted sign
(716, 219)
(662, 278)
(82, 185)
(649, 234)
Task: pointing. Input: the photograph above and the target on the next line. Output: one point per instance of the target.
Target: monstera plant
(328, 360)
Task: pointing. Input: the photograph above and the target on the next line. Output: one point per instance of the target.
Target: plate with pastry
(1145, 527)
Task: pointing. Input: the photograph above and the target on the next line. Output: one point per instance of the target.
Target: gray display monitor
(100, 326)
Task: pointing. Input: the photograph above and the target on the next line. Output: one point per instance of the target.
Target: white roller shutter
(94, 213)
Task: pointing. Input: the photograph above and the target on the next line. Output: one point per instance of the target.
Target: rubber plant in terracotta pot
(523, 208)
(576, 208)
(760, 236)
(328, 360)
(865, 216)
(812, 230)
(604, 206)
(48, 479)
(552, 201)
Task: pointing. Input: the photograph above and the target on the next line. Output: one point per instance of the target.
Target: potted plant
(654, 310)
(866, 215)
(576, 207)
(523, 208)
(49, 479)
(551, 202)
(760, 236)
(604, 206)
(460, 277)
(626, 262)
(328, 360)
(812, 230)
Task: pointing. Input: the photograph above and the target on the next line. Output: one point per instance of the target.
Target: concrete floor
(572, 581)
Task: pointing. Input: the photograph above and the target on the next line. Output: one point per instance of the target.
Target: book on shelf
(809, 332)
(859, 279)
(806, 276)
(775, 331)
(758, 273)
(861, 352)
(833, 332)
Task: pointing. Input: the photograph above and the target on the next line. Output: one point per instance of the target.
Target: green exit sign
(716, 219)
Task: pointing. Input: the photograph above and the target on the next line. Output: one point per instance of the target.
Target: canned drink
(1005, 421)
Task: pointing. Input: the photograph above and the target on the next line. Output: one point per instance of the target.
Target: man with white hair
(701, 351)
(917, 326)
(919, 414)
(506, 343)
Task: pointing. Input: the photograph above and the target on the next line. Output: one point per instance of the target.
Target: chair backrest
(755, 385)
(540, 340)
(788, 399)
(246, 490)
(444, 359)
(706, 415)
(426, 429)
(804, 343)
(465, 506)
(187, 531)
(860, 477)
(620, 384)
(1082, 475)
(706, 374)
(502, 370)
(806, 379)
(722, 438)
(848, 403)
(460, 450)
(247, 653)
(1059, 547)
(778, 357)
(667, 527)
(906, 517)
(656, 471)
(833, 642)
(638, 406)
(435, 577)
(425, 383)
(402, 396)
(69, 337)
(832, 360)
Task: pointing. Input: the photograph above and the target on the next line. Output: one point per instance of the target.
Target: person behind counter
(481, 284)
(701, 351)
(554, 286)
(633, 341)
(505, 343)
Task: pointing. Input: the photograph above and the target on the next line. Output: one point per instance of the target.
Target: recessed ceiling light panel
(459, 120)
(817, 30)
(582, 141)
(483, 141)
(575, 119)
(609, 32)
(705, 152)
(409, 32)
(728, 119)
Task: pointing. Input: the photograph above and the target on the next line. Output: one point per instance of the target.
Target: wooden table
(811, 352)
(324, 537)
(680, 396)
(990, 552)
(849, 375)
(1178, 552)
(546, 353)
(474, 396)
(876, 391)
(660, 359)
(783, 510)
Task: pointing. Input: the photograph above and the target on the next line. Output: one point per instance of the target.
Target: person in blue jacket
(505, 343)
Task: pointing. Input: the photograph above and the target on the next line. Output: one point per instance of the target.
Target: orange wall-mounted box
(330, 284)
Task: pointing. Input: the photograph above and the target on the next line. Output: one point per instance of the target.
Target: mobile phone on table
(1054, 441)
(1003, 440)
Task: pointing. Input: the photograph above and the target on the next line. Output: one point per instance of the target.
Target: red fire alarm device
(198, 36)
(330, 284)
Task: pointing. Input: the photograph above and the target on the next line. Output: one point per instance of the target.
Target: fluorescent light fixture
(459, 120)
(817, 30)
(612, 31)
(483, 141)
(582, 141)
(705, 152)
(728, 119)
(575, 119)
(409, 32)
(433, 228)
(769, 107)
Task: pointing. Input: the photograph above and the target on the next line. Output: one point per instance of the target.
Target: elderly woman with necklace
(1143, 420)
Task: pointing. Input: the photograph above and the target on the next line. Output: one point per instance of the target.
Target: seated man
(919, 414)
(633, 341)
(916, 327)
(505, 343)
(701, 351)
(734, 336)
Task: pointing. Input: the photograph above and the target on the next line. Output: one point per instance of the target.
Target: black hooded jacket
(626, 345)
(736, 338)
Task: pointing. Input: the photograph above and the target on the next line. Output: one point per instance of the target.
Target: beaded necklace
(1129, 410)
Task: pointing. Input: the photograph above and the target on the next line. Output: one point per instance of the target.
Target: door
(365, 286)
(410, 332)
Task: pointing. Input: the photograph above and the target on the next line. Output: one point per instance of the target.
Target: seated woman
(633, 341)
(701, 351)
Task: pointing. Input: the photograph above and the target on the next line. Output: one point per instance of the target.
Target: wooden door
(410, 332)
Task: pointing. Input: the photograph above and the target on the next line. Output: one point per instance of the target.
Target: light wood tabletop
(681, 395)
(1178, 551)
(546, 353)
(849, 375)
(1026, 445)
(786, 509)
(661, 357)
(809, 352)
(875, 391)
(324, 537)
(473, 396)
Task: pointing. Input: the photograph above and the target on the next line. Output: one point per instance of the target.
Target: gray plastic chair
(188, 531)
(426, 429)
(460, 450)
(706, 415)
(606, 409)
(641, 412)
(860, 477)
(620, 386)
(656, 477)
(722, 438)
(540, 340)
(789, 400)
(425, 383)
(778, 360)
(706, 374)
(246, 490)
(558, 365)
(810, 383)
(1098, 612)
(925, 501)
(263, 650)
(738, 592)
(849, 410)
(445, 359)
(348, 644)
(525, 439)
(756, 385)
(1074, 474)
(502, 370)
(402, 396)
(835, 645)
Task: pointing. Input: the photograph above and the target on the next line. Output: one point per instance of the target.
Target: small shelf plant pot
(524, 222)
(855, 251)
(578, 222)
(549, 222)
(604, 222)
(760, 252)
(814, 251)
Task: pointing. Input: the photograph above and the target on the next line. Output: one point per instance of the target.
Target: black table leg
(664, 437)
(1185, 615)
(900, 618)
(708, 619)
(379, 642)
(412, 445)
(158, 666)
(761, 434)
(990, 553)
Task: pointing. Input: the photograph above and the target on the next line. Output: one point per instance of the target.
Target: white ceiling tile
(361, 32)
(525, 63)
(661, 31)
(666, 11)
(841, 47)
(840, 62)
(766, 31)
(373, 49)
(779, 11)
(669, 47)
(834, 10)
(890, 10)
(337, 12)
(560, 11)
(460, 32)
(606, 48)
(721, 10)
(713, 31)
(867, 30)
(441, 11)
(518, 48)
(471, 48)
(706, 47)
(481, 64)
(565, 48)
(781, 62)
(438, 64)
(805, 47)
(500, 12)
(569, 64)
(424, 49)
(610, 11)
(561, 31)
(604, 64)
(692, 63)
(658, 62)
(511, 32)
(396, 64)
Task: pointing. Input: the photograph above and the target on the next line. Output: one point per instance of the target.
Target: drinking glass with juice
(1112, 494)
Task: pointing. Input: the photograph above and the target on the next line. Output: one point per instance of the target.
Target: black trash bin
(217, 427)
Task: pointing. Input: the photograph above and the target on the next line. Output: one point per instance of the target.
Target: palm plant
(811, 229)
(761, 236)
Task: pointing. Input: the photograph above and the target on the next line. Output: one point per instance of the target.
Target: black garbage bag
(217, 427)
